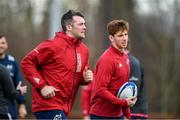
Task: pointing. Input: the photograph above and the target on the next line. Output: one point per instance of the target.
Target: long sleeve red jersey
(59, 63)
(112, 71)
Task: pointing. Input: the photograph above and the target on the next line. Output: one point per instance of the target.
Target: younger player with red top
(111, 72)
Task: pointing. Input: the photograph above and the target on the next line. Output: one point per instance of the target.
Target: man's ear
(111, 38)
(68, 27)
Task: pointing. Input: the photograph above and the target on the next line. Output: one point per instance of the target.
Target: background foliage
(154, 36)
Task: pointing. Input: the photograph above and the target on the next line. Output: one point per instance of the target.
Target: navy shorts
(102, 117)
(50, 114)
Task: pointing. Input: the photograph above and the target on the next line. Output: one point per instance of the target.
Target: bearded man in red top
(56, 68)
(111, 72)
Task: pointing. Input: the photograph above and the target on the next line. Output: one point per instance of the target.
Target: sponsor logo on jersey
(79, 62)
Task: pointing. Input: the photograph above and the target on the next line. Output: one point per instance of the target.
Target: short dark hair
(116, 25)
(1, 35)
(67, 18)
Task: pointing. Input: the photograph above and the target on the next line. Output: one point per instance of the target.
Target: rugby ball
(127, 90)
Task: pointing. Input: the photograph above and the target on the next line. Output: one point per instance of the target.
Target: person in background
(85, 98)
(8, 91)
(111, 72)
(140, 109)
(57, 67)
(10, 63)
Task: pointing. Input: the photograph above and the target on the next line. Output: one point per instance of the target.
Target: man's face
(78, 27)
(3, 45)
(120, 39)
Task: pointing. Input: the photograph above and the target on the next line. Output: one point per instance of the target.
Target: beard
(80, 37)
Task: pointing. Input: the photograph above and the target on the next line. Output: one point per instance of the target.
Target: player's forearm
(104, 94)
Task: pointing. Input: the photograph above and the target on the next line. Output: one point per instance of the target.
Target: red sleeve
(31, 63)
(103, 74)
(85, 99)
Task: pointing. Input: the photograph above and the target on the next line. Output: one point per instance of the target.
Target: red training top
(59, 63)
(111, 72)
